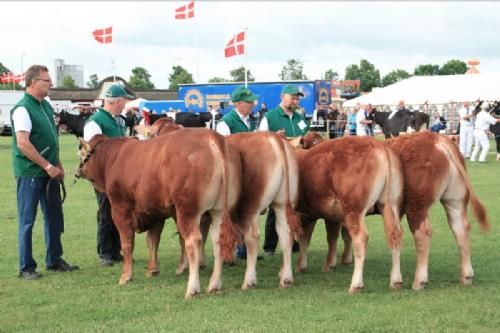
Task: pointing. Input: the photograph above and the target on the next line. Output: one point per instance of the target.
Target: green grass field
(90, 300)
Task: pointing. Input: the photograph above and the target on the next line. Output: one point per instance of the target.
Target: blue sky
(391, 35)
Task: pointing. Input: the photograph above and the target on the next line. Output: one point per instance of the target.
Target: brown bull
(341, 181)
(188, 172)
(270, 178)
(433, 170)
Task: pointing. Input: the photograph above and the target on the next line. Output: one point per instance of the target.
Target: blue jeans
(30, 191)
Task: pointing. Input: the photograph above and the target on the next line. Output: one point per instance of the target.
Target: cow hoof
(419, 285)
(300, 269)
(179, 271)
(249, 285)
(346, 261)
(211, 290)
(191, 294)
(152, 273)
(327, 268)
(466, 280)
(396, 285)
(124, 281)
(286, 283)
(355, 290)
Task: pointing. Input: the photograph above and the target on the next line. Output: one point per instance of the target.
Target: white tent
(439, 89)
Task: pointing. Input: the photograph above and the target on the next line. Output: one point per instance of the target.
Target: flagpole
(246, 59)
(196, 47)
(113, 60)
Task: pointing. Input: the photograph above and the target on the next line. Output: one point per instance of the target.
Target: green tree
(453, 67)
(238, 74)
(293, 70)
(394, 76)
(366, 73)
(331, 75)
(179, 75)
(216, 79)
(93, 81)
(426, 69)
(68, 82)
(140, 79)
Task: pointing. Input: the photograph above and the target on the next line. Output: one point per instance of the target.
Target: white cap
(485, 106)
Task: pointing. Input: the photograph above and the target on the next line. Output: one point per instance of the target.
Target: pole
(22, 56)
(113, 58)
(246, 59)
(196, 47)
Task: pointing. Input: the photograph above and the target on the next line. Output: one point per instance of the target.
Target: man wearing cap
(107, 121)
(466, 129)
(238, 120)
(482, 124)
(38, 170)
(284, 118)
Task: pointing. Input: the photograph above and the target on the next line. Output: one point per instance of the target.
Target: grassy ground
(90, 300)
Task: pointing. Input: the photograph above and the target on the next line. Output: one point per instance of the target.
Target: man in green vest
(238, 121)
(38, 171)
(107, 121)
(287, 119)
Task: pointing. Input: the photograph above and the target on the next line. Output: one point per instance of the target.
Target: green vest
(43, 136)
(235, 124)
(108, 124)
(278, 119)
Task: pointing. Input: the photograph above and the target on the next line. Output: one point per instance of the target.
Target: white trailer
(8, 98)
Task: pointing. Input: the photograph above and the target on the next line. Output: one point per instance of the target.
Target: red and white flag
(185, 12)
(104, 36)
(236, 45)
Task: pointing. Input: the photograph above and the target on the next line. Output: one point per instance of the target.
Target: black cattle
(186, 119)
(400, 121)
(495, 129)
(154, 117)
(73, 123)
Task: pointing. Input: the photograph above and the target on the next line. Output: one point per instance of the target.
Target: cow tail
(477, 206)
(228, 233)
(292, 217)
(389, 217)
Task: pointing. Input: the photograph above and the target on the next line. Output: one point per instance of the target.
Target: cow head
(419, 121)
(307, 141)
(87, 149)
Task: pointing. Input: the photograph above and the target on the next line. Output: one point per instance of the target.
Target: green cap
(118, 91)
(242, 94)
(291, 90)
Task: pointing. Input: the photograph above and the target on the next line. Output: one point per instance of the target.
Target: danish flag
(11, 77)
(185, 12)
(236, 45)
(104, 36)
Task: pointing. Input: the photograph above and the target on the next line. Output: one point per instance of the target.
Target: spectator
(466, 129)
(351, 119)
(482, 124)
(438, 124)
(38, 171)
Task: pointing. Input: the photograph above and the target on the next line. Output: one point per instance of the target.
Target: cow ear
(84, 144)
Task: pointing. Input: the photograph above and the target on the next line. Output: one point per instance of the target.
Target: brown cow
(270, 177)
(191, 172)
(342, 180)
(433, 170)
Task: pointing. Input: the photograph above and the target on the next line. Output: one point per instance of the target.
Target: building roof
(90, 95)
(439, 89)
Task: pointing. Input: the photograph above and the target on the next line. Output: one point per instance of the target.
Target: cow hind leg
(393, 235)
(304, 240)
(286, 241)
(456, 212)
(152, 242)
(190, 231)
(215, 283)
(251, 237)
(356, 225)
(422, 232)
(347, 254)
(332, 234)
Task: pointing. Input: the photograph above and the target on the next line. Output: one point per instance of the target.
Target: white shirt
(484, 120)
(21, 120)
(223, 129)
(91, 128)
(465, 112)
(360, 127)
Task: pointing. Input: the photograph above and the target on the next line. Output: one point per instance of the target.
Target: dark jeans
(271, 236)
(31, 191)
(108, 239)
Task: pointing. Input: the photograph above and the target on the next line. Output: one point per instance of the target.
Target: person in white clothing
(361, 122)
(466, 129)
(482, 124)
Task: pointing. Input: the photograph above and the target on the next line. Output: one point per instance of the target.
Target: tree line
(366, 72)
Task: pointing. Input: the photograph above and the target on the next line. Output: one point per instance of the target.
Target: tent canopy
(438, 89)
